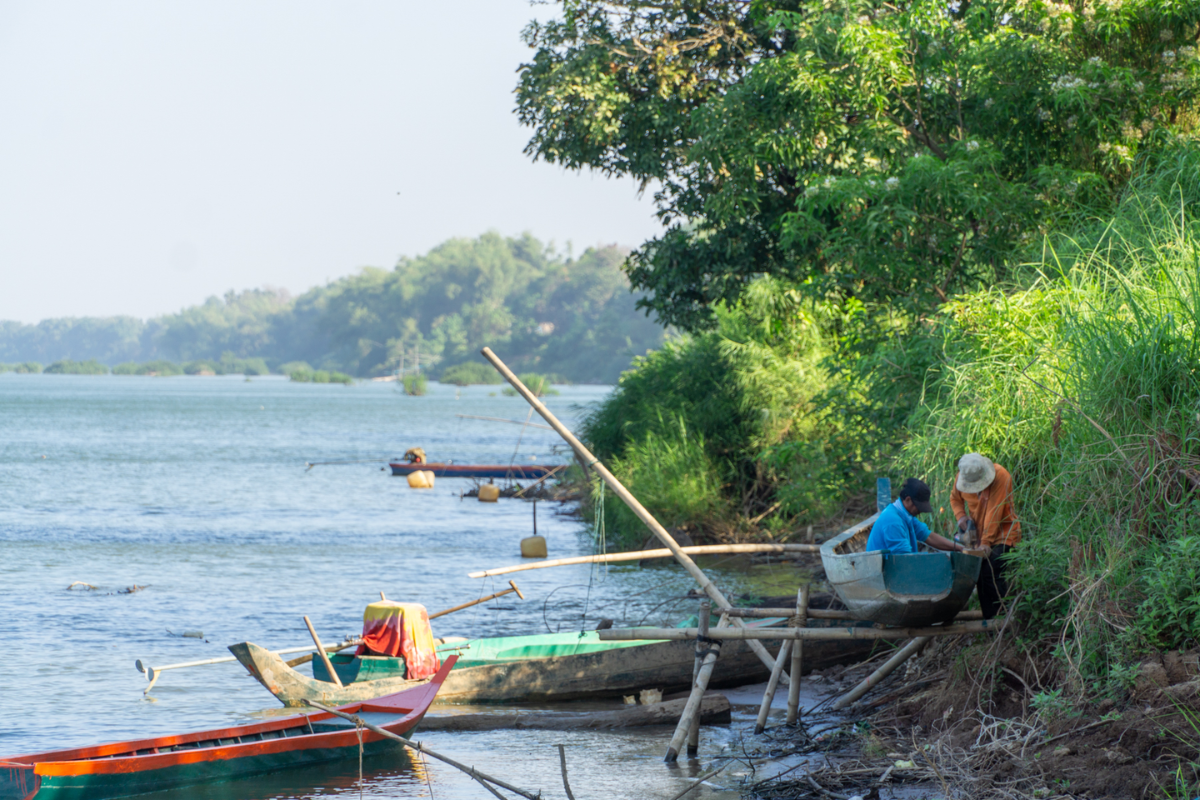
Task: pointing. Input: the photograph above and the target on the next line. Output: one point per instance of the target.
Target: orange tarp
(400, 629)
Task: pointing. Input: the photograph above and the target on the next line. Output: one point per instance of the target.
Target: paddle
(152, 673)
(480, 600)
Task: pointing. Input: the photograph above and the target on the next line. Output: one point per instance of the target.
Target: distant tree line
(573, 318)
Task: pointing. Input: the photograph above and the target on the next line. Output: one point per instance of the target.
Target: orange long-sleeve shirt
(992, 509)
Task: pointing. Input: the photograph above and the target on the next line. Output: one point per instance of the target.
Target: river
(197, 489)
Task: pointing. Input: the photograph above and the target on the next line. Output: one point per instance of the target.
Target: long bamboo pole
(696, 698)
(321, 652)
(421, 748)
(872, 680)
(820, 634)
(773, 685)
(793, 707)
(512, 588)
(638, 555)
(693, 739)
(825, 613)
(589, 460)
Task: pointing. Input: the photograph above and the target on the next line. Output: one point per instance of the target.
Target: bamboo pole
(696, 698)
(793, 707)
(872, 680)
(421, 748)
(820, 634)
(324, 656)
(513, 588)
(824, 613)
(637, 508)
(638, 555)
(154, 673)
(693, 740)
(773, 685)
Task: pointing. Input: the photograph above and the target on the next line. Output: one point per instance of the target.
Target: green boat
(524, 669)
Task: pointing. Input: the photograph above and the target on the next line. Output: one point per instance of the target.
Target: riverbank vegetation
(896, 234)
(541, 309)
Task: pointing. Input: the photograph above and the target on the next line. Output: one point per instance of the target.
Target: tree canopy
(866, 150)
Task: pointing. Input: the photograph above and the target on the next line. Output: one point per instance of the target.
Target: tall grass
(1086, 385)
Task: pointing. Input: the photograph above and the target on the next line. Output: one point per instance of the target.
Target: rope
(358, 724)
(600, 543)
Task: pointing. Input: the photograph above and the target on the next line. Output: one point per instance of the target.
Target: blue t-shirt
(897, 531)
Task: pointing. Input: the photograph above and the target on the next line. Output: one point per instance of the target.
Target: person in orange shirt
(983, 493)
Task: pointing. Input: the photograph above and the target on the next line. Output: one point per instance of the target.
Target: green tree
(873, 150)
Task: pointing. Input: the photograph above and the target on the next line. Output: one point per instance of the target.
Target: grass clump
(158, 368)
(540, 385)
(415, 384)
(320, 376)
(68, 367)
(471, 374)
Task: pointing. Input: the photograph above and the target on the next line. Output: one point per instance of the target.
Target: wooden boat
(515, 471)
(135, 767)
(548, 667)
(909, 590)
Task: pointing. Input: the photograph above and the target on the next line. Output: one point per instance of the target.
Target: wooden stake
(793, 708)
(562, 762)
(382, 596)
(822, 634)
(872, 680)
(772, 686)
(693, 740)
(608, 558)
(513, 588)
(699, 687)
(421, 748)
(324, 656)
(589, 460)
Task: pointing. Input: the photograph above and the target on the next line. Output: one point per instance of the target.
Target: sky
(153, 154)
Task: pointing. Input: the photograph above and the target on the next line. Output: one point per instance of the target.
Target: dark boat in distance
(521, 471)
(122, 769)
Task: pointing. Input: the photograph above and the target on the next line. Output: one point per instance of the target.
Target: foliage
(68, 367)
(26, 367)
(320, 376)
(471, 373)
(158, 368)
(741, 389)
(869, 150)
(543, 311)
(540, 385)
(415, 384)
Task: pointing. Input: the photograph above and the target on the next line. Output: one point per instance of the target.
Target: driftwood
(638, 555)
(590, 461)
(715, 710)
(829, 634)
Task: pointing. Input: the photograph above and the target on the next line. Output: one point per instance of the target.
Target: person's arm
(942, 543)
(958, 505)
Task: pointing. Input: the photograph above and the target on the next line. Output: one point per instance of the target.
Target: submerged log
(714, 710)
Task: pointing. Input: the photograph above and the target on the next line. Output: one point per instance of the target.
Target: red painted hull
(121, 769)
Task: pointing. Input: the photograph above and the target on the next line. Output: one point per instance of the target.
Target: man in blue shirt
(897, 528)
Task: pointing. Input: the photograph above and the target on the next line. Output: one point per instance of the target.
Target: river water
(196, 489)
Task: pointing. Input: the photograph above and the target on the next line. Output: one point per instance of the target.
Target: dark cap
(918, 490)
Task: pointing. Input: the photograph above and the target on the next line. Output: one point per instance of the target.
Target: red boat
(135, 767)
(475, 470)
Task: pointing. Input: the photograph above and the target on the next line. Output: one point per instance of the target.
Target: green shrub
(28, 367)
(69, 367)
(155, 368)
(320, 376)
(200, 368)
(540, 385)
(415, 384)
(470, 374)
(293, 366)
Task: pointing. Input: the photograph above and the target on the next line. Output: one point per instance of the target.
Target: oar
(480, 600)
(152, 673)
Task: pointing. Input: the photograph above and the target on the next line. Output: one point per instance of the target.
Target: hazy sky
(155, 153)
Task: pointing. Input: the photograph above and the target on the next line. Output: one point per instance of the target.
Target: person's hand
(985, 551)
(962, 525)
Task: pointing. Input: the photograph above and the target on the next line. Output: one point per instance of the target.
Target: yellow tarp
(400, 629)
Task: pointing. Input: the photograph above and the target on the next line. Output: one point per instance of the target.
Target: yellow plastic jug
(489, 493)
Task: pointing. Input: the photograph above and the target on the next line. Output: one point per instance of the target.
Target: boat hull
(665, 665)
(909, 590)
(123, 769)
(516, 471)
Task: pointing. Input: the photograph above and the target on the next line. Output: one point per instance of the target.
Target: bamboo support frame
(823, 634)
(872, 680)
(773, 685)
(590, 461)
(638, 555)
(793, 707)
(825, 613)
(693, 740)
(696, 698)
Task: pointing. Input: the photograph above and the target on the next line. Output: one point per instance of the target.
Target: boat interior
(854, 544)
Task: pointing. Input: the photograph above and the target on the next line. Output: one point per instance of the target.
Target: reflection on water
(196, 489)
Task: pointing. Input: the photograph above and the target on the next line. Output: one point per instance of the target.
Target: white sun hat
(975, 473)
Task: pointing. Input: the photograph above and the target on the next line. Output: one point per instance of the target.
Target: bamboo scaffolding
(793, 707)
(825, 613)
(638, 555)
(824, 634)
(588, 460)
(872, 680)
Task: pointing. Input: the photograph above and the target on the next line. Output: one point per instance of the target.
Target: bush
(320, 376)
(154, 368)
(69, 367)
(471, 374)
(415, 384)
(293, 366)
(540, 385)
(28, 367)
